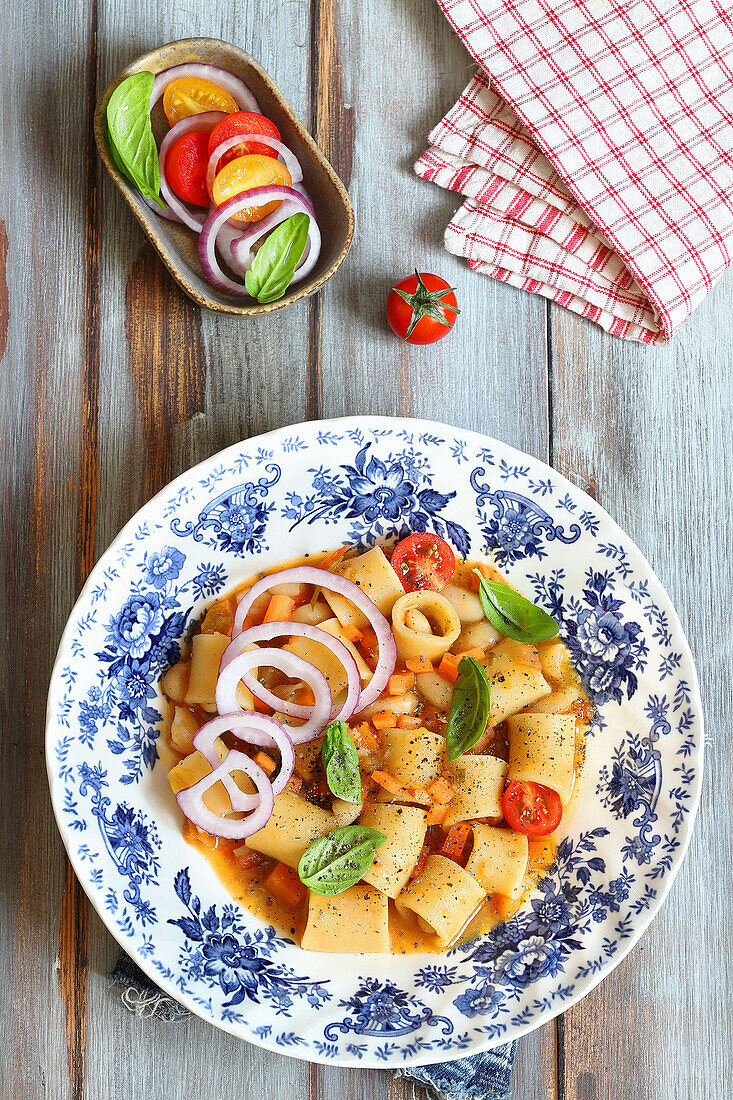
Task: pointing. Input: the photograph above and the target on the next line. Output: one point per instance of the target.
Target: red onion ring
(289, 159)
(226, 80)
(265, 633)
(332, 582)
(291, 665)
(258, 729)
(191, 800)
(218, 217)
(162, 211)
(203, 123)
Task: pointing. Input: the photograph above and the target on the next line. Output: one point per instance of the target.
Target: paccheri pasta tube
(542, 750)
(294, 825)
(425, 624)
(444, 897)
(404, 827)
(479, 782)
(499, 860)
(355, 920)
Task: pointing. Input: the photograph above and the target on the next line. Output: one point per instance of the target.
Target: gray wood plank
(44, 315)
(490, 373)
(651, 429)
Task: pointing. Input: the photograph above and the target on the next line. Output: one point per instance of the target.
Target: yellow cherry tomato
(243, 174)
(192, 95)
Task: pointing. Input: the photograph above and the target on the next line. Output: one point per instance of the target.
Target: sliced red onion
(289, 159)
(226, 80)
(241, 246)
(203, 123)
(256, 196)
(291, 665)
(257, 729)
(265, 633)
(332, 582)
(162, 211)
(191, 800)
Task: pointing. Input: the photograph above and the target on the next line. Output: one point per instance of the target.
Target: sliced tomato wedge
(243, 122)
(531, 809)
(192, 95)
(422, 561)
(185, 168)
(243, 174)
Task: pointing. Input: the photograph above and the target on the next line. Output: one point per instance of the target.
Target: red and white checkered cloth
(596, 159)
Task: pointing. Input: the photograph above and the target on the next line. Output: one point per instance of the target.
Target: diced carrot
(384, 779)
(284, 883)
(333, 557)
(408, 722)
(353, 633)
(473, 582)
(476, 652)
(421, 861)
(305, 696)
(582, 710)
(246, 859)
(440, 790)
(260, 706)
(437, 814)
(384, 718)
(455, 842)
(265, 762)
(448, 667)
(279, 609)
(400, 682)
(369, 647)
(419, 664)
(294, 784)
(365, 737)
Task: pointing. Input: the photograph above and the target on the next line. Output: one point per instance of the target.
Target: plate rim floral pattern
(520, 527)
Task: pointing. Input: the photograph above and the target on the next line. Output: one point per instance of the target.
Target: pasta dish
(376, 750)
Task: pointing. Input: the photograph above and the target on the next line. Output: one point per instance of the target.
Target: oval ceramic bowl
(367, 480)
(177, 245)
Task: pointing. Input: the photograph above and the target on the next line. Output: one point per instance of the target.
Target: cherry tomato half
(423, 561)
(422, 308)
(531, 809)
(243, 174)
(185, 168)
(243, 122)
(192, 95)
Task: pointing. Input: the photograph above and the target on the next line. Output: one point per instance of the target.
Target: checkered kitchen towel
(596, 158)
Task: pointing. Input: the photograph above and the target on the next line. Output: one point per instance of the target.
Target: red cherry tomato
(243, 122)
(423, 561)
(422, 308)
(531, 809)
(185, 168)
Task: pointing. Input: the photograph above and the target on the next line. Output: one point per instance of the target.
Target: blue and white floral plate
(362, 480)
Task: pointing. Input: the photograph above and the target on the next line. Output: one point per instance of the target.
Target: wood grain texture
(114, 382)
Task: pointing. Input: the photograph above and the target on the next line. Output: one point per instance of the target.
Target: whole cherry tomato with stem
(422, 308)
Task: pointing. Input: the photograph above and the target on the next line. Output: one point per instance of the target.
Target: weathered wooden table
(113, 382)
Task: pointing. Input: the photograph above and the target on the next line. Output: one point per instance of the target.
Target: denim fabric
(480, 1077)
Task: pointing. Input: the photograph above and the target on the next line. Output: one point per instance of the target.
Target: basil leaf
(513, 615)
(469, 711)
(130, 134)
(341, 762)
(274, 265)
(335, 862)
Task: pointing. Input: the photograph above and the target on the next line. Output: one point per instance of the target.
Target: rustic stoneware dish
(368, 480)
(177, 245)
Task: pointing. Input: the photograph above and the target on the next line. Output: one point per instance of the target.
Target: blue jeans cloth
(481, 1077)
